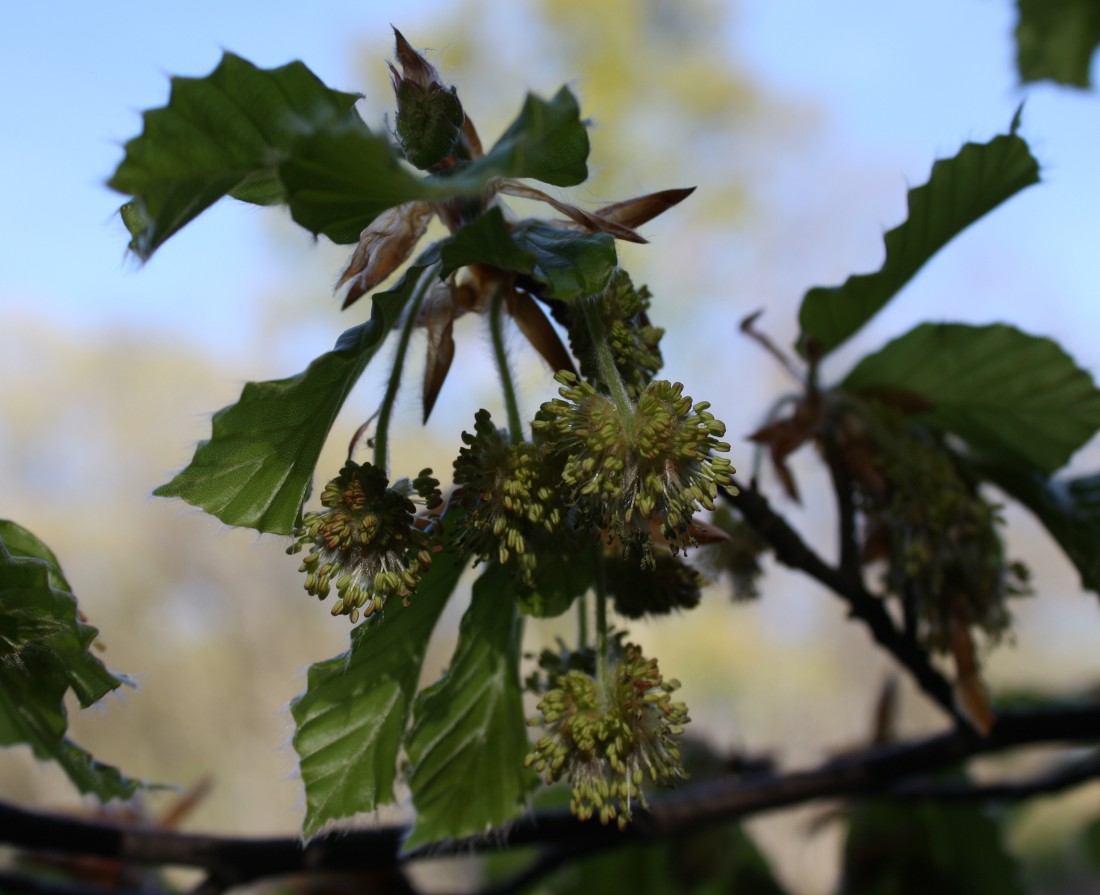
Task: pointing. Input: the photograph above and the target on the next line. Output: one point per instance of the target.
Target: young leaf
(469, 737)
(350, 720)
(569, 263)
(340, 177)
(1069, 509)
(547, 142)
(218, 135)
(926, 847)
(256, 468)
(960, 190)
(1017, 399)
(1055, 39)
(44, 654)
(486, 240)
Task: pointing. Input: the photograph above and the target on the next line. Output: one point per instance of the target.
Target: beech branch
(897, 771)
(792, 551)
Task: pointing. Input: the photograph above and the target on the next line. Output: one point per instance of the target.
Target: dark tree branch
(792, 551)
(879, 770)
(1059, 779)
(846, 513)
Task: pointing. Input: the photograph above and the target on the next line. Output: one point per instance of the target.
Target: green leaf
(486, 240)
(960, 190)
(1055, 39)
(548, 141)
(350, 721)
(709, 862)
(44, 653)
(1017, 399)
(255, 470)
(924, 846)
(340, 177)
(569, 263)
(469, 736)
(218, 135)
(1069, 509)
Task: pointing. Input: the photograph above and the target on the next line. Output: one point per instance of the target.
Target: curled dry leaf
(444, 302)
(971, 692)
(593, 223)
(532, 322)
(635, 212)
(784, 436)
(383, 247)
(414, 67)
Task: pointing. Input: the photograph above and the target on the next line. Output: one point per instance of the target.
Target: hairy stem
(507, 384)
(605, 360)
(602, 648)
(385, 411)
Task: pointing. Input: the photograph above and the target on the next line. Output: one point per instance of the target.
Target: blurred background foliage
(213, 624)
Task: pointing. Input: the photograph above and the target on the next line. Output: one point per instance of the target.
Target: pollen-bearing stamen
(366, 541)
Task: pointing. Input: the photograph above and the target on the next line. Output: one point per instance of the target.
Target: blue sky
(898, 85)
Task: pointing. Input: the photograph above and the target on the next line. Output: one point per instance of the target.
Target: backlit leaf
(256, 468)
(44, 653)
(918, 847)
(219, 135)
(1017, 399)
(1056, 39)
(469, 736)
(960, 190)
(548, 141)
(350, 721)
(1068, 508)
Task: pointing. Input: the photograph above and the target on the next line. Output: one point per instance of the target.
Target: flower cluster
(511, 495)
(938, 532)
(650, 471)
(630, 336)
(367, 540)
(608, 740)
(670, 585)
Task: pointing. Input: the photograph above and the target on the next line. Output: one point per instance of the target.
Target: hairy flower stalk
(608, 740)
(633, 342)
(366, 541)
(653, 468)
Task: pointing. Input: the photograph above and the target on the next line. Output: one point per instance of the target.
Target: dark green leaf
(218, 135)
(1069, 509)
(1056, 38)
(487, 240)
(560, 578)
(350, 721)
(1019, 400)
(920, 847)
(960, 190)
(571, 264)
(710, 862)
(339, 178)
(44, 653)
(547, 142)
(1090, 836)
(469, 737)
(255, 470)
